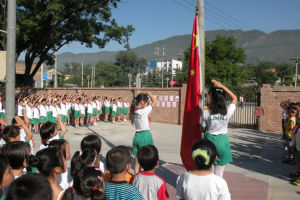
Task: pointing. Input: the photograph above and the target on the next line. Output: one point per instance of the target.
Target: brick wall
(171, 112)
(270, 102)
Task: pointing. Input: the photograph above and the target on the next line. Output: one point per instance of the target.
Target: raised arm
(62, 126)
(220, 85)
(23, 125)
(153, 99)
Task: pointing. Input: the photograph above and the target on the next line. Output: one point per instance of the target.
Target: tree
(286, 73)
(108, 74)
(43, 27)
(265, 73)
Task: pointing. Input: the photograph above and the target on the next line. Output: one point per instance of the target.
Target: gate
(245, 115)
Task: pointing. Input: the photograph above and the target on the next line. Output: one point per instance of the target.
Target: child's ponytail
(140, 97)
(204, 154)
(132, 109)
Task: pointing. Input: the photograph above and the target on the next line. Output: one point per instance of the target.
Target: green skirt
(2, 115)
(141, 139)
(82, 115)
(89, 115)
(43, 119)
(125, 110)
(76, 114)
(49, 116)
(113, 113)
(34, 121)
(107, 110)
(53, 120)
(223, 148)
(95, 111)
(119, 110)
(64, 118)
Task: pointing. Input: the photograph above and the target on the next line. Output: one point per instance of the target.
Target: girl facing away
(140, 109)
(6, 176)
(215, 120)
(201, 183)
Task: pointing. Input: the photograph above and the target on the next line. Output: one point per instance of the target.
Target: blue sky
(159, 19)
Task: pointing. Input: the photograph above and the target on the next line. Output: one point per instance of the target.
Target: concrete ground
(256, 173)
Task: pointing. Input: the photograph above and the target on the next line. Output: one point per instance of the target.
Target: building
(168, 65)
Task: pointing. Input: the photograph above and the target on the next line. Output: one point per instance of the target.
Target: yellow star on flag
(196, 42)
(192, 72)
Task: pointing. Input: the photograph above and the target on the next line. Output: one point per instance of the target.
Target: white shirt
(54, 111)
(23, 137)
(63, 109)
(68, 106)
(20, 108)
(106, 103)
(114, 108)
(89, 108)
(82, 109)
(43, 111)
(119, 104)
(98, 105)
(126, 105)
(29, 111)
(141, 120)
(36, 113)
(217, 124)
(65, 179)
(194, 187)
(47, 108)
(94, 104)
(76, 107)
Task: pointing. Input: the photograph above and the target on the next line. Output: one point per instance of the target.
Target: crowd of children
(291, 134)
(45, 174)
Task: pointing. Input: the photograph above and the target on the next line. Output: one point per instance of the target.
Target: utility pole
(11, 61)
(55, 70)
(162, 69)
(201, 32)
(82, 74)
(296, 69)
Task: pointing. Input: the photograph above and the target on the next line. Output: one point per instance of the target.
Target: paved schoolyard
(256, 173)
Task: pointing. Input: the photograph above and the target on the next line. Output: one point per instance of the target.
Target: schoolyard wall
(169, 109)
(271, 118)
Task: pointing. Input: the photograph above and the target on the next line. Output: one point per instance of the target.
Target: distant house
(168, 65)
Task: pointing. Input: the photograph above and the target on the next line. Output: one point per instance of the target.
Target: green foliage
(285, 72)
(108, 74)
(43, 27)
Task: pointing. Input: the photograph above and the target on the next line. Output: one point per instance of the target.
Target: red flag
(190, 128)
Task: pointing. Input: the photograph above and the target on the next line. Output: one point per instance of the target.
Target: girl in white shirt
(43, 112)
(106, 109)
(200, 183)
(119, 109)
(36, 117)
(89, 112)
(125, 110)
(215, 119)
(139, 116)
(82, 112)
(114, 111)
(20, 108)
(54, 112)
(29, 112)
(64, 111)
(95, 111)
(99, 107)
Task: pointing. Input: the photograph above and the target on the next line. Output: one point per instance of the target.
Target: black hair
(30, 187)
(16, 153)
(81, 160)
(117, 159)
(218, 101)
(47, 159)
(140, 97)
(46, 130)
(59, 144)
(92, 184)
(200, 160)
(91, 142)
(10, 132)
(148, 157)
(4, 164)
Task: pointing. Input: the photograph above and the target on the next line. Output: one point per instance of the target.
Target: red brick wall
(270, 102)
(172, 115)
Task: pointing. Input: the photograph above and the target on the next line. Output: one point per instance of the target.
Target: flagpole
(201, 35)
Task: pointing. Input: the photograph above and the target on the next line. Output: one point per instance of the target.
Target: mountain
(278, 47)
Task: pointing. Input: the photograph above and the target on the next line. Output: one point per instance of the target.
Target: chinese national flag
(190, 128)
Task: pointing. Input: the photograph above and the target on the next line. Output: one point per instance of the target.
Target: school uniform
(119, 107)
(64, 112)
(29, 113)
(36, 116)
(69, 108)
(98, 103)
(143, 135)
(76, 111)
(89, 110)
(20, 109)
(107, 106)
(82, 110)
(54, 113)
(114, 110)
(125, 108)
(95, 111)
(2, 110)
(43, 113)
(48, 111)
(217, 133)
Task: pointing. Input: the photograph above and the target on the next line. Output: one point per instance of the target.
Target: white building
(169, 65)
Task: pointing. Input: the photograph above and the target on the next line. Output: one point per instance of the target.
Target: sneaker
(296, 182)
(125, 120)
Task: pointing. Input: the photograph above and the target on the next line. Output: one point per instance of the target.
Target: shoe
(125, 120)
(296, 182)
(95, 124)
(290, 161)
(295, 175)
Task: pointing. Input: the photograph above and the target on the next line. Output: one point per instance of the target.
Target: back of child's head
(10, 132)
(16, 153)
(47, 159)
(117, 159)
(135, 102)
(46, 130)
(30, 187)
(92, 184)
(148, 157)
(61, 145)
(4, 166)
(83, 159)
(91, 142)
(204, 154)
(218, 101)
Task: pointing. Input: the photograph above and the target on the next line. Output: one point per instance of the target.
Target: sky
(159, 19)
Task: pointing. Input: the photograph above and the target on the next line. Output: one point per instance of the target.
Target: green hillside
(278, 47)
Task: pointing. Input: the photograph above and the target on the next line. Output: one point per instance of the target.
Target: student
(114, 111)
(95, 110)
(119, 109)
(49, 132)
(54, 111)
(50, 162)
(6, 177)
(36, 117)
(69, 105)
(20, 108)
(76, 112)
(16, 154)
(30, 187)
(118, 163)
(43, 112)
(215, 119)
(295, 178)
(200, 183)
(29, 112)
(149, 184)
(125, 110)
(106, 109)
(89, 111)
(2, 111)
(99, 106)
(82, 107)
(139, 116)
(64, 111)
(93, 142)
(65, 179)
(290, 124)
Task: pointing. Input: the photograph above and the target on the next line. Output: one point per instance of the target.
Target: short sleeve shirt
(217, 124)
(141, 119)
(121, 191)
